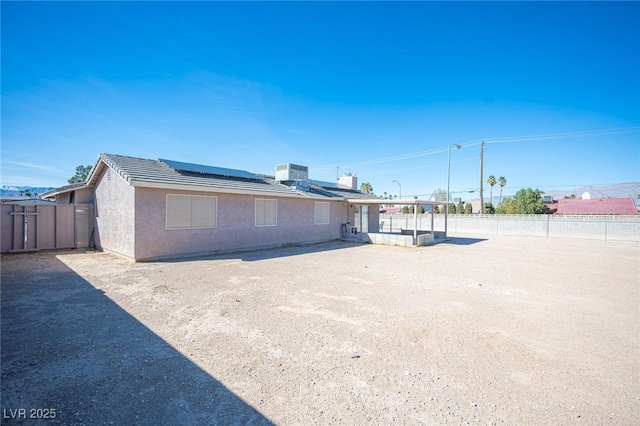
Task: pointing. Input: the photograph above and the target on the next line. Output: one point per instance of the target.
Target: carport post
(446, 214)
(434, 236)
(415, 224)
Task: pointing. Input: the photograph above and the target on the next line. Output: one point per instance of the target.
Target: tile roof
(62, 189)
(156, 173)
(617, 206)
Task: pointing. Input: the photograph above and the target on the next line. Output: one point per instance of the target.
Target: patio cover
(414, 202)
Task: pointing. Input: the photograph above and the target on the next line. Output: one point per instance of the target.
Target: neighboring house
(75, 193)
(595, 206)
(148, 209)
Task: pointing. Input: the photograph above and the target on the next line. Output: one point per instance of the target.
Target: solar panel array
(209, 170)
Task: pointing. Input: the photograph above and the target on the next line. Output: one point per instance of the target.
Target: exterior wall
(80, 196)
(115, 214)
(374, 216)
(235, 225)
(64, 198)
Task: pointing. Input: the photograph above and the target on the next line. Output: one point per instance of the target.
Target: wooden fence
(32, 227)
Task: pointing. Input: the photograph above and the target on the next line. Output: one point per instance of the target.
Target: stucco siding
(374, 219)
(84, 196)
(80, 196)
(235, 229)
(115, 214)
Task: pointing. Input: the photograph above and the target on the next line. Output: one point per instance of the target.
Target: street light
(448, 183)
(400, 188)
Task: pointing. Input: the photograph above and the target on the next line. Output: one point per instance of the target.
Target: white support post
(415, 224)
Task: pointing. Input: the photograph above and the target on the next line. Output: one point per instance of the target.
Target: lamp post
(400, 189)
(446, 210)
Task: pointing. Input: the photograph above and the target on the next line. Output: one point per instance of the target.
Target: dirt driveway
(507, 330)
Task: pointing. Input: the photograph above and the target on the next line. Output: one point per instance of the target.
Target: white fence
(605, 227)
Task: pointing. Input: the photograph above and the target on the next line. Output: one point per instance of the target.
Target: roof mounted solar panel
(209, 170)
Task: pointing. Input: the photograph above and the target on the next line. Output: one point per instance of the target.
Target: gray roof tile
(146, 170)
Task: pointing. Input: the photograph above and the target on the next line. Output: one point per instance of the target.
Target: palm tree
(502, 182)
(491, 181)
(366, 188)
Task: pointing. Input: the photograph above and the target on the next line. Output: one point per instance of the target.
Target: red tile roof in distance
(597, 206)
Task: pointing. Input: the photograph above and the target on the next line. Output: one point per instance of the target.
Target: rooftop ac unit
(288, 171)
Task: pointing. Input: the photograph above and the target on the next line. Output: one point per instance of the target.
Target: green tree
(489, 209)
(452, 208)
(491, 181)
(81, 174)
(507, 206)
(502, 181)
(570, 197)
(405, 209)
(460, 208)
(468, 208)
(529, 201)
(421, 209)
(366, 188)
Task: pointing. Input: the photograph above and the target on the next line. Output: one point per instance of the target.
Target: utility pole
(481, 178)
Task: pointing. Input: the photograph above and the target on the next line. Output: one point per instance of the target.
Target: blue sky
(380, 89)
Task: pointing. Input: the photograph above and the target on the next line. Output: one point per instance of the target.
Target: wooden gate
(32, 227)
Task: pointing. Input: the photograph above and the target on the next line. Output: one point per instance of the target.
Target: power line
(511, 139)
(567, 135)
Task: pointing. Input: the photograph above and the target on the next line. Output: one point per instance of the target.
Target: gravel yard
(510, 330)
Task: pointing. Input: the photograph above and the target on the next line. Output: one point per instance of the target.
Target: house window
(191, 211)
(266, 212)
(321, 215)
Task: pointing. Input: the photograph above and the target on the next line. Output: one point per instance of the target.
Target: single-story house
(75, 193)
(148, 209)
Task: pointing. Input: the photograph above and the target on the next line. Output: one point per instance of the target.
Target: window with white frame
(321, 214)
(266, 212)
(191, 211)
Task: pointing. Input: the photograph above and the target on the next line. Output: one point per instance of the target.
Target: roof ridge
(128, 156)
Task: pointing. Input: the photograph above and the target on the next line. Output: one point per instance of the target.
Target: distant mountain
(18, 191)
(620, 190)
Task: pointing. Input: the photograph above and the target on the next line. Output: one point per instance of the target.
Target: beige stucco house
(149, 209)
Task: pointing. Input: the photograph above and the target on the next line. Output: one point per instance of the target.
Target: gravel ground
(509, 330)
